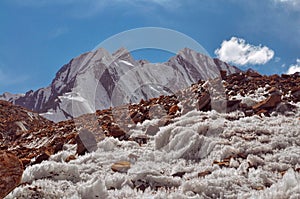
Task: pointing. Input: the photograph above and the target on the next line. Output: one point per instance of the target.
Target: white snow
(126, 62)
(264, 151)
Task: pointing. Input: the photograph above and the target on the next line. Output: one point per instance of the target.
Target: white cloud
(238, 52)
(294, 68)
(291, 4)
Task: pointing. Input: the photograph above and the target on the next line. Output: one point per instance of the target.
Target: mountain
(98, 80)
(10, 97)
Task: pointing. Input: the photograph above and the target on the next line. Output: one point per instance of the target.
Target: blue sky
(37, 37)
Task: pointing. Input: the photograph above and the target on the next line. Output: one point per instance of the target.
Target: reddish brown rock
(237, 77)
(44, 156)
(137, 117)
(204, 173)
(25, 161)
(252, 73)
(116, 131)
(71, 157)
(173, 110)
(269, 103)
(11, 170)
(224, 163)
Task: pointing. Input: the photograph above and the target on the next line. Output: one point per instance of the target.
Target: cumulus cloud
(237, 51)
(294, 68)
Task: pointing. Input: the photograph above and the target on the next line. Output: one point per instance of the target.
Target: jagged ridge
(97, 80)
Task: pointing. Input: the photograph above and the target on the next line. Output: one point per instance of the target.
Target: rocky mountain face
(99, 80)
(33, 139)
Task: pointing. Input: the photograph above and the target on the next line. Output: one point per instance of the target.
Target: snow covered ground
(199, 155)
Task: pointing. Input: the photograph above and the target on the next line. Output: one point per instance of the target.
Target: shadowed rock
(86, 142)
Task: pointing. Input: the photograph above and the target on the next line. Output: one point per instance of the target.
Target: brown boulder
(11, 171)
(116, 131)
(137, 117)
(269, 103)
(173, 110)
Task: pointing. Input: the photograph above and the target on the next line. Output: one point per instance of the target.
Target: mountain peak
(101, 52)
(186, 50)
(121, 51)
(98, 80)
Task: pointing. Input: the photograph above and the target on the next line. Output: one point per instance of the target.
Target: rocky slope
(15, 119)
(182, 144)
(97, 80)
